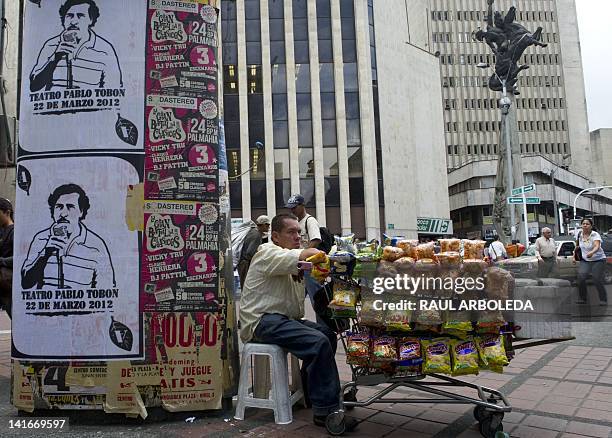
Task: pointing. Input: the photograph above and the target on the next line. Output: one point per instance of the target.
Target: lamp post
(505, 103)
(598, 188)
(554, 196)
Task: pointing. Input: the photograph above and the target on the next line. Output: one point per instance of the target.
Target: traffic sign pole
(525, 219)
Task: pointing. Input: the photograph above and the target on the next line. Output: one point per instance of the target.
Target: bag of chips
(404, 265)
(384, 350)
(457, 328)
(449, 258)
(391, 253)
(397, 319)
(409, 355)
(345, 243)
(464, 355)
(345, 296)
(409, 247)
(358, 348)
(369, 316)
(473, 249)
(436, 353)
(492, 352)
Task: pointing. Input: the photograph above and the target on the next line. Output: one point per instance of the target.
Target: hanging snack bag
(457, 328)
(409, 247)
(358, 348)
(384, 350)
(345, 296)
(447, 245)
(320, 267)
(436, 353)
(464, 355)
(449, 258)
(409, 352)
(492, 352)
(397, 320)
(346, 243)
(369, 315)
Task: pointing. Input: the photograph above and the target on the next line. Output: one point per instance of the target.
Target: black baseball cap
(5, 205)
(294, 201)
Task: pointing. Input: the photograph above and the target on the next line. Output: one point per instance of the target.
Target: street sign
(519, 200)
(525, 189)
(428, 225)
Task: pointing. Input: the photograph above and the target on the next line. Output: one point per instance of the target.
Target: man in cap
(309, 226)
(252, 240)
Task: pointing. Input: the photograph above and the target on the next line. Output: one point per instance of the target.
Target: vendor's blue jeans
(315, 345)
(597, 270)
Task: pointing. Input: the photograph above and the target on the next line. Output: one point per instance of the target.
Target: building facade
(551, 107)
(601, 146)
(343, 108)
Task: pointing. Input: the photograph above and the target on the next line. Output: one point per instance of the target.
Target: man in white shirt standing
(271, 312)
(497, 250)
(546, 251)
(310, 237)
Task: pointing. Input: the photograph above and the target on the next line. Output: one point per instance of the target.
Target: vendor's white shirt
(310, 233)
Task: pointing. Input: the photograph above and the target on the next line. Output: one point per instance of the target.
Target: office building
(348, 110)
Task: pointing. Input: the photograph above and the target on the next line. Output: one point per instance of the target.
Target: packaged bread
(474, 266)
(473, 249)
(449, 245)
(498, 283)
(392, 253)
(386, 269)
(449, 258)
(409, 247)
(425, 251)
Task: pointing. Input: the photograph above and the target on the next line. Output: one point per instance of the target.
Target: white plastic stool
(280, 400)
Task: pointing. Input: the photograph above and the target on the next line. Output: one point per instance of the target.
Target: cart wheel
(490, 426)
(334, 423)
(350, 396)
(480, 413)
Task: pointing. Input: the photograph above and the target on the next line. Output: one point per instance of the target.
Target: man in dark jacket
(6, 254)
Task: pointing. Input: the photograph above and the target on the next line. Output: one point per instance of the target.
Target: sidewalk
(556, 390)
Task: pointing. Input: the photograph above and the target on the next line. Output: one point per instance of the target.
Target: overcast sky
(595, 24)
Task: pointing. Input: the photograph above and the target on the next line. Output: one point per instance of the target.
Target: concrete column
(345, 201)
(266, 72)
(317, 130)
(294, 162)
(244, 112)
(366, 108)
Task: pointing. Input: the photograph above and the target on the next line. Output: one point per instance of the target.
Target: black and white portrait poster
(83, 75)
(76, 282)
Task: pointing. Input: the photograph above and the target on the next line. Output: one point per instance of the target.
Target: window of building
(329, 133)
(300, 8)
(303, 106)
(355, 163)
(304, 133)
(302, 78)
(326, 78)
(279, 107)
(281, 134)
(306, 162)
(350, 77)
(281, 164)
(328, 106)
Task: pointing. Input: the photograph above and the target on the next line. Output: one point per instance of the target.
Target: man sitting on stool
(271, 312)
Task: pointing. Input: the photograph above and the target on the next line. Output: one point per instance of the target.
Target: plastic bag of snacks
(345, 296)
(320, 267)
(425, 251)
(473, 249)
(366, 252)
(492, 352)
(404, 265)
(409, 355)
(391, 253)
(499, 283)
(384, 350)
(457, 328)
(358, 348)
(464, 355)
(346, 243)
(447, 245)
(449, 258)
(409, 247)
(436, 353)
(369, 315)
(396, 319)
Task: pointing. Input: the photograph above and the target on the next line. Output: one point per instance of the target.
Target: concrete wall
(578, 125)
(411, 125)
(601, 149)
(10, 73)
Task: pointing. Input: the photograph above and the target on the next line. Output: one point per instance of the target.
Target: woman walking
(593, 262)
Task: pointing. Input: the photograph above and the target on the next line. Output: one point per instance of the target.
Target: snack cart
(418, 350)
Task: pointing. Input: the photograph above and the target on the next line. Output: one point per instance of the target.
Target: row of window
(468, 59)
(531, 125)
(481, 16)
(491, 149)
(521, 103)
(483, 81)
(468, 37)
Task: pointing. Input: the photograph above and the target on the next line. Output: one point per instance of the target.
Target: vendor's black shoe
(350, 424)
